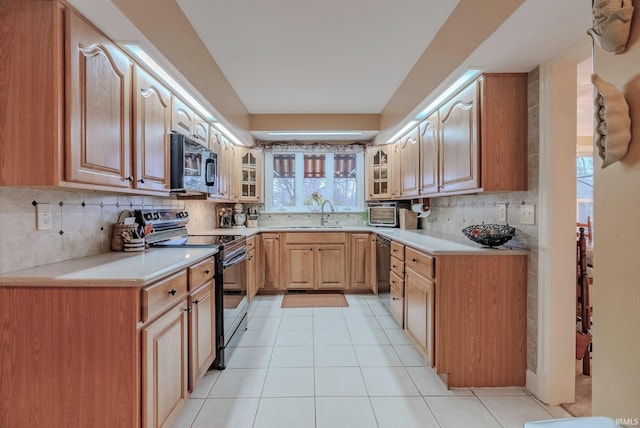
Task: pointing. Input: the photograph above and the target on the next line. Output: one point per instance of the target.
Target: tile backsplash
(81, 223)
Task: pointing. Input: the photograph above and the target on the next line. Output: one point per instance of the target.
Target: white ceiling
(309, 56)
(347, 57)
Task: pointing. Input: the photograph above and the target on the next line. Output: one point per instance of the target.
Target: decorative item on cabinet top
(612, 124)
(611, 24)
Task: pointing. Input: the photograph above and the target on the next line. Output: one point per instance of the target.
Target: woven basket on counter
(117, 241)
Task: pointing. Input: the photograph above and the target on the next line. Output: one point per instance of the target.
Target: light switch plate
(527, 214)
(501, 210)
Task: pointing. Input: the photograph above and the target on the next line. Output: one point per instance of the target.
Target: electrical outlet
(527, 214)
(502, 212)
(43, 217)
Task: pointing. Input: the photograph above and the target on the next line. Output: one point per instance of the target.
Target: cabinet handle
(206, 271)
(141, 180)
(173, 291)
(195, 302)
(129, 178)
(188, 310)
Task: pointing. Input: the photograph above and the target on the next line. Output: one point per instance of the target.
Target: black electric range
(230, 274)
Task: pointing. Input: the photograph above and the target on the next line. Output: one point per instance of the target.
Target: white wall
(616, 287)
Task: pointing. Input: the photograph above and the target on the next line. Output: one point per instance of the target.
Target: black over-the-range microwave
(194, 168)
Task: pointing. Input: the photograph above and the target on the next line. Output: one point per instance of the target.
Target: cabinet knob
(414, 260)
(206, 271)
(394, 250)
(141, 180)
(195, 302)
(395, 298)
(188, 310)
(129, 178)
(173, 291)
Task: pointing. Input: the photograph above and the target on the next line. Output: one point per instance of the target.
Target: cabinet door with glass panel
(251, 161)
(378, 173)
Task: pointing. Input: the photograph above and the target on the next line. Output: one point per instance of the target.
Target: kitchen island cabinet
(101, 341)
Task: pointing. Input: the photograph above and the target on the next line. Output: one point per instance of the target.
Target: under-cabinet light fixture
(318, 133)
(139, 53)
(462, 80)
(228, 134)
(401, 132)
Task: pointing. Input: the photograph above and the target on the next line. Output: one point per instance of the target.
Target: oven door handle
(239, 258)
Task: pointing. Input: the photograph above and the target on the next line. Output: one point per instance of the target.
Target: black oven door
(232, 307)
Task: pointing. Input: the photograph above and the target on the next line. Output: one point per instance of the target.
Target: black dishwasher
(383, 261)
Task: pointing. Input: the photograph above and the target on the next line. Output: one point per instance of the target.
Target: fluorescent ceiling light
(228, 134)
(148, 61)
(308, 133)
(466, 77)
(404, 129)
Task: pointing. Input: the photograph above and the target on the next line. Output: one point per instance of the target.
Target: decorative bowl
(489, 235)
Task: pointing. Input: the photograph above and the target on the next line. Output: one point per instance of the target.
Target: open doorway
(584, 226)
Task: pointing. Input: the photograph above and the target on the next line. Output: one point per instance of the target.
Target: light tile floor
(342, 367)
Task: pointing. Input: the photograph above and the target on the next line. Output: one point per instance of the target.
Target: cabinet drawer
(397, 250)
(397, 309)
(201, 273)
(251, 243)
(420, 262)
(163, 294)
(397, 285)
(397, 267)
(315, 238)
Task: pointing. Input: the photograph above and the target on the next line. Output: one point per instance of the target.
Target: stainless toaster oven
(383, 214)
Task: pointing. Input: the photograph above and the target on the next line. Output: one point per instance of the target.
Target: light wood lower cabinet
(360, 261)
(202, 332)
(299, 266)
(118, 356)
(314, 261)
(331, 266)
(164, 367)
(419, 316)
(270, 261)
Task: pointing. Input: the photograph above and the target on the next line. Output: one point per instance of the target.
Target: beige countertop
(416, 238)
(107, 269)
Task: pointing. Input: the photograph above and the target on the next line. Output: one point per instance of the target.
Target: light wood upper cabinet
(429, 139)
(459, 162)
(481, 138)
(251, 175)
(200, 130)
(152, 121)
(98, 149)
(396, 170)
(378, 160)
(409, 156)
(182, 117)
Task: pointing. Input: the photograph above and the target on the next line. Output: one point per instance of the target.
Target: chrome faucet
(323, 220)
